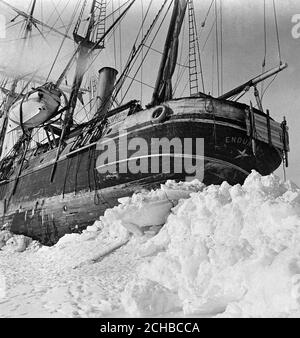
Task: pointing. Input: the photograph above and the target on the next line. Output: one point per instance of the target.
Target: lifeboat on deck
(35, 108)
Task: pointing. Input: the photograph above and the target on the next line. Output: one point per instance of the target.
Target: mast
(85, 49)
(8, 103)
(11, 95)
(28, 26)
(163, 85)
(32, 20)
(84, 46)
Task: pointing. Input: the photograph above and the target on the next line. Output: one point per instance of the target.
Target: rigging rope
(108, 33)
(58, 13)
(142, 83)
(63, 41)
(181, 72)
(184, 67)
(269, 84)
(114, 36)
(265, 47)
(53, 11)
(278, 47)
(213, 68)
(142, 50)
(277, 32)
(208, 35)
(14, 24)
(206, 16)
(120, 46)
(59, 16)
(32, 35)
(221, 46)
(217, 48)
(150, 44)
(195, 45)
(42, 16)
(180, 56)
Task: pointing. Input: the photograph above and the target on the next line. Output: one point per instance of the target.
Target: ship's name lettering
(236, 140)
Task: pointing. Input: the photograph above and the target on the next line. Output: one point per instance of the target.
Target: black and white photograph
(149, 161)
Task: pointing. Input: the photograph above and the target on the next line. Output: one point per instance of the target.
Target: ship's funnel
(106, 81)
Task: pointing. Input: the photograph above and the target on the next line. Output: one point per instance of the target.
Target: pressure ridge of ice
(229, 251)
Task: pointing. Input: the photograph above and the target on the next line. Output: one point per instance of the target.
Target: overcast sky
(243, 51)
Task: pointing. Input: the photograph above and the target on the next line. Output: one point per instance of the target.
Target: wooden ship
(55, 186)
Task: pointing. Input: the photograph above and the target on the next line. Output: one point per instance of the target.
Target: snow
(184, 249)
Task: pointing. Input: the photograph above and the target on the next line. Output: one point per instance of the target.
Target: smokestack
(106, 81)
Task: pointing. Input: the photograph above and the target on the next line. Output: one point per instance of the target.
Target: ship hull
(80, 192)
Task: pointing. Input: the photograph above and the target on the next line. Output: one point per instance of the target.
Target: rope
(184, 67)
(217, 48)
(268, 86)
(62, 43)
(184, 88)
(180, 56)
(42, 16)
(206, 16)
(122, 99)
(57, 12)
(108, 33)
(53, 11)
(120, 46)
(134, 55)
(142, 50)
(208, 35)
(240, 96)
(161, 53)
(221, 45)
(114, 36)
(265, 47)
(277, 33)
(198, 50)
(213, 68)
(142, 83)
(14, 24)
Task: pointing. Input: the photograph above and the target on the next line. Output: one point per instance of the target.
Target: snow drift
(230, 251)
(227, 249)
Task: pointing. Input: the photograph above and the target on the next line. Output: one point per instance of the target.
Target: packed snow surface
(182, 250)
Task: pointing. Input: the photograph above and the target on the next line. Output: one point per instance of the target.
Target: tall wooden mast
(9, 100)
(85, 49)
(84, 46)
(163, 86)
(28, 26)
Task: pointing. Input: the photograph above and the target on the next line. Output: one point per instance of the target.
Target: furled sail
(163, 86)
